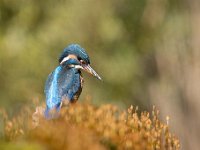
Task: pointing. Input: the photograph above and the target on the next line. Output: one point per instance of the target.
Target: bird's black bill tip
(99, 78)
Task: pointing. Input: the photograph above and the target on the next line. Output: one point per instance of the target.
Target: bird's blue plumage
(62, 84)
(51, 88)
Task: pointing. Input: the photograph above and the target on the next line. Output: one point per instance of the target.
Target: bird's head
(75, 56)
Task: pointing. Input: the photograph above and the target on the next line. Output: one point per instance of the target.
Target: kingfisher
(64, 85)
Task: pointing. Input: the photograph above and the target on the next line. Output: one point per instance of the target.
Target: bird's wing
(61, 84)
(69, 83)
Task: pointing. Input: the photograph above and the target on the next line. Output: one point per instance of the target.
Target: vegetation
(85, 126)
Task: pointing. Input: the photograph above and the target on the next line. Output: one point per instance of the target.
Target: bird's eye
(82, 62)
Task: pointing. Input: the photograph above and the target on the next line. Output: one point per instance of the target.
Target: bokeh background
(147, 52)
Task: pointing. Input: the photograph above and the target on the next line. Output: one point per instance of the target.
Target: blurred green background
(146, 51)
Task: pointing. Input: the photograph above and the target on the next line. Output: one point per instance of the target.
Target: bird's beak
(89, 69)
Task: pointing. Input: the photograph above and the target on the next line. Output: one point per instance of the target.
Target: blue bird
(64, 84)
